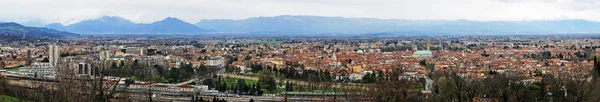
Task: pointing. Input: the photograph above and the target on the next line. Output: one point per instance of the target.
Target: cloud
(147, 11)
(521, 1)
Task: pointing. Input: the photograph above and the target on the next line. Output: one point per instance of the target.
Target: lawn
(252, 75)
(14, 69)
(233, 81)
(4, 98)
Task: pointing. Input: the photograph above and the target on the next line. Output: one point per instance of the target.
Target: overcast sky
(39, 12)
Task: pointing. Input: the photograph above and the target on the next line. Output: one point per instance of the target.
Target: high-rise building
(441, 46)
(29, 58)
(85, 68)
(54, 54)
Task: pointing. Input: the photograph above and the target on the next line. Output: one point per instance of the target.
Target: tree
(455, 88)
(369, 78)
(268, 79)
(2, 65)
(289, 86)
(423, 62)
(45, 59)
(258, 90)
(596, 69)
(241, 86)
(113, 65)
(247, 57)
(393, 90)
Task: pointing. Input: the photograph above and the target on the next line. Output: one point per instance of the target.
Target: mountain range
(288, 24)
(319, 24)
(13, 29)
(118, 25)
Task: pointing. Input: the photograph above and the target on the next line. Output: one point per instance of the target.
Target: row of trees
(156, 73)
(295, 73)
(241, 88)
(266, 81)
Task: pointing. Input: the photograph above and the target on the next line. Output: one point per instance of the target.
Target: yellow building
(356, 68)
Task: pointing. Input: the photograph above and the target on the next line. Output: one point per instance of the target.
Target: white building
(355, 76)
(105, 55)
(54, 55)
(216, 61)
(84, 69)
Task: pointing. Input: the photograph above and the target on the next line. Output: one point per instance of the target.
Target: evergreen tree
(596, 70)
(289, 86)
(252, 90)
(201, 100)
(241, 86)
(268, 80)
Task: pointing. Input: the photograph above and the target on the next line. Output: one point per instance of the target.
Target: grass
(233, 81)
(4, 98)
(417, 87)
(14, 69)
(276, 91)
(252, 75)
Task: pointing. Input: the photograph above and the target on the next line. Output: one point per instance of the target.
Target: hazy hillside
(117, 25)
(18, 29)
(319, 24)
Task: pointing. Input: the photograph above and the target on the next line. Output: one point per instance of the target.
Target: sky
(42, 12)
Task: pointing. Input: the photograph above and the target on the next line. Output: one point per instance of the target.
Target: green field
(252, 75)
(265, 42)
(14, 69)
(233, 81)
(4, 98)
(277, 91)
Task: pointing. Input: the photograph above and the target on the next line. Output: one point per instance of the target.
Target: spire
(428, 44)
(441, 47)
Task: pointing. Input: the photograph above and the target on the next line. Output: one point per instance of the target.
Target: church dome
(423, 52)
(360, 51)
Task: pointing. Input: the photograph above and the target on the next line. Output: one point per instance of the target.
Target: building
(215, 61)
(29, 58)
(53, 55)
(84, 69)
(105, 55)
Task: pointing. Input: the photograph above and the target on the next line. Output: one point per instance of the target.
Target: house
(185, 87)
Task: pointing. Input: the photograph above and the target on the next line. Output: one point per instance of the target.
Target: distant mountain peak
(11, 24)
(112, 19)
(15, 28)
(55, 24)
(118, 25)
(171, 19)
